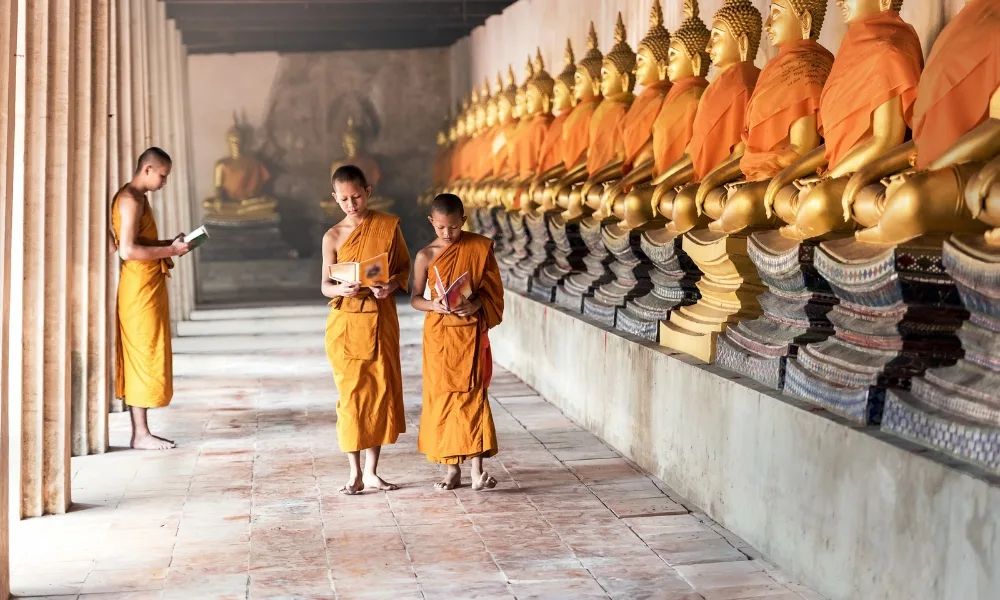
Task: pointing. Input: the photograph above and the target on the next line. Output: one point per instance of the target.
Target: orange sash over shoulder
(962, 74)
(879, 59)
(511, 148)
(638, 127)
(789, 88)
(529, 145)
(550, 155)
(484, 159)
(362, 343)
(720, 121)
(498, 150)
(607, 129)
(576, 132)
(456, 422)
(675, 122)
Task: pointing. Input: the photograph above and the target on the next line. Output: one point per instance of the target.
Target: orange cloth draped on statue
(879, 59)
(961, 76)
(637, 129)
(456, 422)
(607, 128)
(529, 144)
(789, 88)
(498, 149)
(243, 176)
(484, 158)
(675, 122)
(576, 132)
(362, 343)
(144, 374)
(721, 117)
(510, 168)
(457, 161)
(550, 154)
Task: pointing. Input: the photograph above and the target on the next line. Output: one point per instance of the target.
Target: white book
(197, 237)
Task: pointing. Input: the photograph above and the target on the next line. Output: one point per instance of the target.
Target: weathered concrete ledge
(849, 511)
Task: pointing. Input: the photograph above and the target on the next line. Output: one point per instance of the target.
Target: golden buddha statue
(239, 185)
(475, 120)
(458, 151)
(863, 118)
(495, 148)
(551, 159)
(485, 129)
(355, 155)
(528, 145)
(501, 192)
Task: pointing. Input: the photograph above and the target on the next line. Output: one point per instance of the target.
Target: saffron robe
(362, 343)
(144, 375)
(243, 177)
(721, 118)
(456, 422)
(607, 128)
(674, 124)
(789, 88)
(576, 132)
(550, 154)
(962, 74)
(637, 128)
(456, 169)
(879, 59)
(529, 145)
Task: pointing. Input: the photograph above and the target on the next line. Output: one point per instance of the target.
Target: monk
(144, 359)
(362, 331)
(456, 423)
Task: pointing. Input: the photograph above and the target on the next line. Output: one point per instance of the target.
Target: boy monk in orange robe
(362, 331)
(456, 423)
(144, 359)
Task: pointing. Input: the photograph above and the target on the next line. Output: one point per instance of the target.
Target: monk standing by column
(362, 331)
(144, 359)
(456, 423)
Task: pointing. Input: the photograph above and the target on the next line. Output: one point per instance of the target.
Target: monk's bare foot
(377, 483)
(353, 486)
(452, 480)
(151, 442)
(484, 482)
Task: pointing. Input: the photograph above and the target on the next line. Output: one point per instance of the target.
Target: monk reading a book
(362, 331)
(466, 302)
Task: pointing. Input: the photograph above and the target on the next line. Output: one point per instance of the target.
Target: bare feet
(484, 482)
(149, 441)
(452, 479)
(353, 486)
(376, 482)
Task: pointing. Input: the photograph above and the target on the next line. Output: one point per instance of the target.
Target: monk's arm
(329, 287)
(489, 296)
(112, 246)
(417, 299)
(888, 131)
(133, 247)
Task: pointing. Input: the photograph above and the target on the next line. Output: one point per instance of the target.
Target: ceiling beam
(244, 24)
(374, 10)
(296, 41)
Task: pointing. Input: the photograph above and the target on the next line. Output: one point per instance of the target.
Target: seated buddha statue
(956, 128)
(485, 124)
(355, 155)
(239, 187)
(498, 193)
(460, 153)
(475, 119)
(865, 111)
(781, 118)
(716, 135)
(528, 145)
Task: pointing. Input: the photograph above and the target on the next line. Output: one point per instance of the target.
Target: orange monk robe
(550, 155)
(362, 343)
(510, 167)
(674, 123)
(576, 132)
(243, 176)
(789, 88)
(144, 375)
(721, 119)
(879, 59)
(607, 132)
(498, 149)
(529, 144)
(962, 74)
(637, 129)
(456, 422)
(484, 154)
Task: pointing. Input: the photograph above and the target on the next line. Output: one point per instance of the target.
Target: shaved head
(154, 157)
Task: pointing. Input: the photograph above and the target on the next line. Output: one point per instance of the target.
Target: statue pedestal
(897, 317)
(505, 240)
(729, 290)
(568, 251)
(539, 251)
(956, 409)
(518, 250)
(631, 269)
(673, 281)
(244, 241)
(795, 310)
(576, 286)
(484, 224)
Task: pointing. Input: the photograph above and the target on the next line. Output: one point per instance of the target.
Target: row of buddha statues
(826, 225)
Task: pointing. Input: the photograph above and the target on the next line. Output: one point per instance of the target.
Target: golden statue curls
(621, 55)
(694, 35)
(742, 18)
(569, 66)
(657, 40)
(542, 81)
(816, 9)
(593, 58)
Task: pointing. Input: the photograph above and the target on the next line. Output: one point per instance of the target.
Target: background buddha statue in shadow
(239, 187)
(356, 155)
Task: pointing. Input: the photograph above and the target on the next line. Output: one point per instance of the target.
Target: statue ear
(696, 64)
(743, 43)
(596, 87)
(807, 25)
(661, 69)
(885, 4)
(546, 105)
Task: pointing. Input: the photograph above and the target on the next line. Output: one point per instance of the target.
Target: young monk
(362, 331)
(456, 423)
(144, 359)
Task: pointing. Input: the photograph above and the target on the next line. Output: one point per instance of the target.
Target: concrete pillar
(192, 204)
(178, 92)
(126, 100)
(116, 168)
(140, 90)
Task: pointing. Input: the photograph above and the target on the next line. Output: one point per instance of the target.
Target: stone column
(126, 100)
(186, 195)
(140, 90)
(180, 201)
(117, 168)
(192, 204)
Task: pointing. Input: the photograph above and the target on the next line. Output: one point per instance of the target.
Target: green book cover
(197, 237)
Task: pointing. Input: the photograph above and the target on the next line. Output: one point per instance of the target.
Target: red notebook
(453, 294)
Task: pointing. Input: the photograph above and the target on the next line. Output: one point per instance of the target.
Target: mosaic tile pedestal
(672, 278)
(631, 269)
(795, 310)
(597, 261)
(568, 251)
(484, 224)
(518, 251)
(251, 240)
(505, 239)
(539, 251)
(729, 289)
(956, 409)
(898, 314)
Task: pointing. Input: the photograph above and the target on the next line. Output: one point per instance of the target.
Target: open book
(453, 294)
(367, 272)
(197, 237)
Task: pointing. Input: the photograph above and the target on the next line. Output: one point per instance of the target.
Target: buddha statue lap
(355, 155)
(239, 189)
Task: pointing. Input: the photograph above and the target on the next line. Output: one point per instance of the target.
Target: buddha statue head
(618, 66)
(538, 97)
(507, 98)
(587, 80)
(234, 139)
(352, 139)
(462, 121)
(491, 104)
(859, 10)
(688, 54)
(792, 20)
(484, 98)
(736, 30)
(653, 52)
(521, 97)
(562, 92)
(470, 116)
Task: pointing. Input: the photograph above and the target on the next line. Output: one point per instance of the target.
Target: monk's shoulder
(384, 221)
(478, 242)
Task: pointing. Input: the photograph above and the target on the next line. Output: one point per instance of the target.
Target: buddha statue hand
(982, 186)
(611, 192)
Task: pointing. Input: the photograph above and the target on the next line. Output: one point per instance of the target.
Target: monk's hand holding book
(439, 306)
(467, 307)
(348, 290)
(179, 246)
(384, 290)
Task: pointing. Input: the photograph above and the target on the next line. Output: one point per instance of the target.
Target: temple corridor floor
(247, 506)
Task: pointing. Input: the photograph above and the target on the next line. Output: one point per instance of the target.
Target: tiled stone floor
(246, 507)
